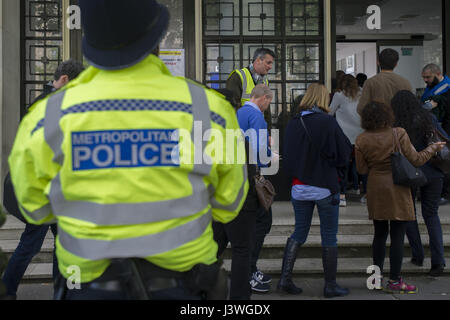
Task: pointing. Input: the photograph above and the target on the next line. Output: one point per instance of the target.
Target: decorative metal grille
(293, 29)
(41, 43)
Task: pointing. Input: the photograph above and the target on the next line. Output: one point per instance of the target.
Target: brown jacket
(386, 200)
(382, 88)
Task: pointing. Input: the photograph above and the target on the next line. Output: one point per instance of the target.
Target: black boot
(290, 254)
(329, 260)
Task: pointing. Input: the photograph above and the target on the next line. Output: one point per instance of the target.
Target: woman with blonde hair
(315, 149)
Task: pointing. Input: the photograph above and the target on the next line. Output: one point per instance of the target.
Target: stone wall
(9, 79)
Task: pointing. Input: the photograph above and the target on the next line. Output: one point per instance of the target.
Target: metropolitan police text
(165, 147)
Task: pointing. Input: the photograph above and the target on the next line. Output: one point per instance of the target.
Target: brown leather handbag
(265, 190)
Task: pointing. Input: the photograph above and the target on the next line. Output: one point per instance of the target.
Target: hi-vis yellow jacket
(98, 156)
(247, 83)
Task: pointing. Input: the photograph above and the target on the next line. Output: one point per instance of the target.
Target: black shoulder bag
(403, 172)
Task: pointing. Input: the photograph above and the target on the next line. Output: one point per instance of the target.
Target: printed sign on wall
(174, 60)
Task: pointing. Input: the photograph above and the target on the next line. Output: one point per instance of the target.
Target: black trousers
(397, 230)
(430, 195)
(239, 233)
(262, 228)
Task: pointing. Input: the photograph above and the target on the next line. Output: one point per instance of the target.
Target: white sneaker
(342, 203)
(354, 191)
(363, 199)
(259, 287)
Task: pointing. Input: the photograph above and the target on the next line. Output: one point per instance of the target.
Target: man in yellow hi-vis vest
(242, 81)
(107, 158)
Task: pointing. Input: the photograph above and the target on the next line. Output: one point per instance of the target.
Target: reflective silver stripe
(38, 214)
(144, 246)
(200, 112)
(245, 95)
(52, 131)
(233, 206)
(441, 89)
(127, 213)
(132, 213)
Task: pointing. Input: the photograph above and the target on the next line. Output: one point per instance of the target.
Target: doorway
(361, 57)
(357, 57)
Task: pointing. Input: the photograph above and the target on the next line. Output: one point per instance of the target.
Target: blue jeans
(329, 218)
(30, 244)
(430, 195)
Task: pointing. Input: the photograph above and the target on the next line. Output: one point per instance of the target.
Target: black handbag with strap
(403, 172)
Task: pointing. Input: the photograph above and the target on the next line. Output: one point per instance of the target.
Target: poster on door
(174, 60)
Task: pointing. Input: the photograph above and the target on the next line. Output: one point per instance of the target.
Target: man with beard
(438, 91)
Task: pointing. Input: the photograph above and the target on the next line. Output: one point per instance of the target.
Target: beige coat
(386, 200)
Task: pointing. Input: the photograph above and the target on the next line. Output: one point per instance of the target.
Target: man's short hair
(261, 52)
(361, 77)
(433, 68)
(70, 68)
(261, 90)
(388, 59)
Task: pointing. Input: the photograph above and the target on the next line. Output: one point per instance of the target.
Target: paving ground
(428, 289)
(353, 221)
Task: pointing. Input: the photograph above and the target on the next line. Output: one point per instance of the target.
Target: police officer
(106, 158)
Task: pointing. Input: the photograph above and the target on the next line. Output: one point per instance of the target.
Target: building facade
(207, 39)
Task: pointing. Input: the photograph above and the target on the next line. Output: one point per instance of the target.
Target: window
(293, 29)
(41, 46)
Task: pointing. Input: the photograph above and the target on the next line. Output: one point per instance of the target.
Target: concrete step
(13, 229)
(41, 272)
(44, 256)
(350, 246)
(353, 219)
(346, 266)
(346, 227)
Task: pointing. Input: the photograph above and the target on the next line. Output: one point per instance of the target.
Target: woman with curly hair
(390, 206)
(419, 124)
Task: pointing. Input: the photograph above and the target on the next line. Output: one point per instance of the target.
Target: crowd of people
(137, 238)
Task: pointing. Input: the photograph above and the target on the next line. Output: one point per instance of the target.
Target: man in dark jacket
(437, 90)
(438, 93)
(65, 72)
(33, 236)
